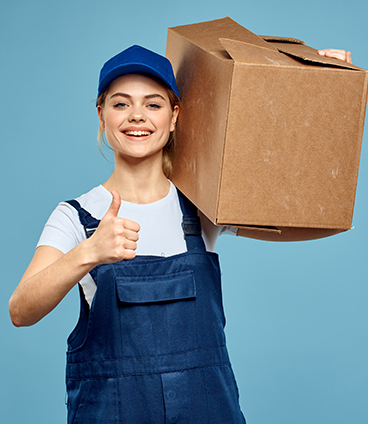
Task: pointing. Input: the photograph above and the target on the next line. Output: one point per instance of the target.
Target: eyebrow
(148, 96)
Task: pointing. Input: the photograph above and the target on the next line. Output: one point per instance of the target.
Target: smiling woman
(149, 346)
(137, 117)
(153, 102)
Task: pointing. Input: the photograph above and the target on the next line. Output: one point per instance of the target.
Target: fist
(115, 238)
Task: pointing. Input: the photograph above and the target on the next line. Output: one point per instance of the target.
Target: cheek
(167, 123)
(111, 130)
(111, 122)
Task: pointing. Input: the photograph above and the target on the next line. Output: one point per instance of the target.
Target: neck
(140, 182)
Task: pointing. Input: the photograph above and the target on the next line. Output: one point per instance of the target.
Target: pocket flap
(159, 288)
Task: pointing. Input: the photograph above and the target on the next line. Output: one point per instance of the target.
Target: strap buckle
(191, 225)
(89, 231)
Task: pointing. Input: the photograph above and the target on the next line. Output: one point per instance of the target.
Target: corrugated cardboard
(269, 133)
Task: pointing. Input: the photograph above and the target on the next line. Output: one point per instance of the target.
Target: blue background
(297, 313)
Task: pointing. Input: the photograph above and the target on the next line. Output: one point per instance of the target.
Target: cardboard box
(269, 133)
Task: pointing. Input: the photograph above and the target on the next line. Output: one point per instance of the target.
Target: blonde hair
(170, 145)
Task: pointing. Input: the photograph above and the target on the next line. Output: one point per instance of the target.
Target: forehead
(136, 84)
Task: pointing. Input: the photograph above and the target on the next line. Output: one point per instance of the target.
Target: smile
(137, 133)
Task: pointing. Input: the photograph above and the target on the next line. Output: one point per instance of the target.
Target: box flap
(207, 34)
(285, 234)
(306, 53)
(282, 39)
(242, 52)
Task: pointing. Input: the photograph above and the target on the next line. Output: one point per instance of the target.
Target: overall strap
(191, 224)
(89, 223)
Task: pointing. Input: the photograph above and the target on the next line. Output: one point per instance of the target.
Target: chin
(140, 154)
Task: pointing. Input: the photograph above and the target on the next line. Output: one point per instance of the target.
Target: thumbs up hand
(115, 238)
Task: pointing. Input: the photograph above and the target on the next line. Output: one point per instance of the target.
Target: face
(137, 117)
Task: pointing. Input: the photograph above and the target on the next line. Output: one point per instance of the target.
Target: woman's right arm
(51, 274)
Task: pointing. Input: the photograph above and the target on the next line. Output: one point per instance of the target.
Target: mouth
(139, 133)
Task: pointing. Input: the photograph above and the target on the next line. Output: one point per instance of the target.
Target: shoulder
(63, 229)
(95, 201)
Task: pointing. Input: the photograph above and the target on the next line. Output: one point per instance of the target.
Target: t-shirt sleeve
(211, 232)
(63, 229)
(232, 231)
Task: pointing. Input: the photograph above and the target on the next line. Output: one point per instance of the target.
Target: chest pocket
(157, 313)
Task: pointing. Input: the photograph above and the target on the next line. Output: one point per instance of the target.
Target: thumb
(115, 204)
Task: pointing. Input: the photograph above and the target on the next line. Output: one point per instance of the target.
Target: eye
(120, 105)
(154, 106)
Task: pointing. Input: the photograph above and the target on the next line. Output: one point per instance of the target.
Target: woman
(149, 346)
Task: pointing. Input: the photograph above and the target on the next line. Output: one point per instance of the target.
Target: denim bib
(151, 349)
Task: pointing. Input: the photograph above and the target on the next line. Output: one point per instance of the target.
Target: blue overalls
(151, 349)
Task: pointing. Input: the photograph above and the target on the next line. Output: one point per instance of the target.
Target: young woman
(149, 346)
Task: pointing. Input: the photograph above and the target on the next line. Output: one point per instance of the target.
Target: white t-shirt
(160, 227)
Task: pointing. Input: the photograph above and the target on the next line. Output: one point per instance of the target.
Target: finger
(125, 251)
(324, 52)
(115, 204)
(332, 51)
(129, 254)
(348, 57)
(130, 245)
(131, 225)
(131, 235)
(337, 54)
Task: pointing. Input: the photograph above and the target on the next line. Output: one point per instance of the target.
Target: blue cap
(137, 60)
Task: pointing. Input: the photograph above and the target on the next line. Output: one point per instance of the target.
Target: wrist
(88, 254)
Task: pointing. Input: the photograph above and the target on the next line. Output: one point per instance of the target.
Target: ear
(101, 117)
(174, 118)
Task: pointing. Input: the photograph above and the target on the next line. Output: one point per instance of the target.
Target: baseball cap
(137, 60)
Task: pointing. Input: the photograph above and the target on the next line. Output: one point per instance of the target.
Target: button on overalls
(151, 349)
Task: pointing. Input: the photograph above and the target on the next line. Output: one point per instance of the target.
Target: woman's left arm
(336, 54)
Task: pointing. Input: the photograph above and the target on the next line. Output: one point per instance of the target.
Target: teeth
(137, 133)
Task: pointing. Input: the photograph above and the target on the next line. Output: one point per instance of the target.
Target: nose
(137, 115)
